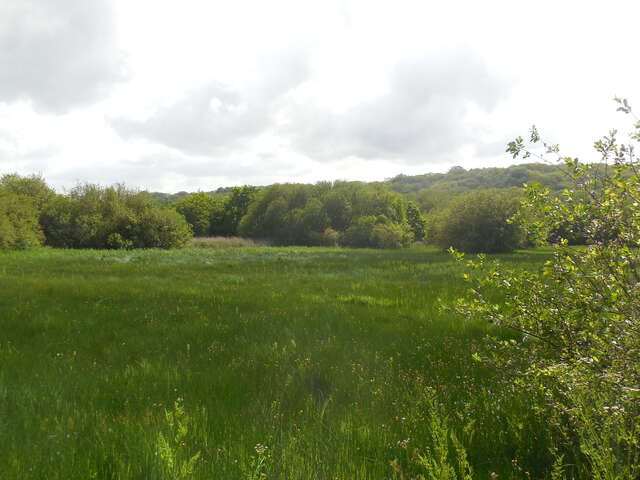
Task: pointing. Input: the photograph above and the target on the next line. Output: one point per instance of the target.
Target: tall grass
(224, 242)
(246, 363)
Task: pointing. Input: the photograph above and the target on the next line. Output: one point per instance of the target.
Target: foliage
(225, 219)
(169, 198)
(172, 447)
(330, 238)
(197, 209)
(265, 217)
(91, 216)
(377, 232)
(349, 213)
(444, 457)
(290, 221)
(577, 322)
(360, 232)
(33, 186)
(458, 180)
(22, 200)
(19, 227)
(416, 221)
(259, 463)
(159, 228)
(478, 222)
(337, 206)
(342, 203)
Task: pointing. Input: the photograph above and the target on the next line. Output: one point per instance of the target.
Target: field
(247, 363)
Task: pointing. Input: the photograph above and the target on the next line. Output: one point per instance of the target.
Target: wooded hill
(457, 180)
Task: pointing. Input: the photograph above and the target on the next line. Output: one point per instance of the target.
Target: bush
(19, 227)
(330, 238)
(22, 199)
(114, 217)
(576, 323)
(197, 209)
(390, 235)
(416, 221)
(478, 222)
(160, 228)
(359, 233)
(377, 232)
(33, 187)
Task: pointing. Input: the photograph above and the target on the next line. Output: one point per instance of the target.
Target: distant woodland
(457, 180)
(466, 209)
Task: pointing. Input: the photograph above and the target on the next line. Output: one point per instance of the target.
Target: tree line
(349, 214)
(89, 216)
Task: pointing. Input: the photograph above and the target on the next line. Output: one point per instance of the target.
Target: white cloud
(224, 93)
(57, 54)
(421, 117)
(214, 118)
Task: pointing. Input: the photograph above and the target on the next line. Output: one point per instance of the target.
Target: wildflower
(404, 443)
(260, 449)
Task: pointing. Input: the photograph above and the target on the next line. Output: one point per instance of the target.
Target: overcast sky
(197, 94)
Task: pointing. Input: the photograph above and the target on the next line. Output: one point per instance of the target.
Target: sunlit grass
(223, 242)
(296, 363)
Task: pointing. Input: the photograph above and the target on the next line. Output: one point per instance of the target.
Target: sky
(199, 94)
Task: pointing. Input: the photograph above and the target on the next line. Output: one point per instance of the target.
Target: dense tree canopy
(349, 213)
(225, 219)
(435, 208)
(198, 209)
(458, 180)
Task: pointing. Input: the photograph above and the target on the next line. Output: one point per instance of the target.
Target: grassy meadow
(249, 363)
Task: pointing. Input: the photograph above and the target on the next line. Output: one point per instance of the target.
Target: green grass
(184, 364)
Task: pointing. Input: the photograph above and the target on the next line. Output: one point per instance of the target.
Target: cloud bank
(215, 118)
(58, 54)
(420, 117)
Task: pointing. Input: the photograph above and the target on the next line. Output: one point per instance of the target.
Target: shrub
(160, 228)
(416, 221)
(377, 232)
(114, 217)
(478, 222)
(359, 233)
(33, 187)
(390, 235)
(21, 201)
(330, 238)
(576, 323)
(19, 227)
(197, 209)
